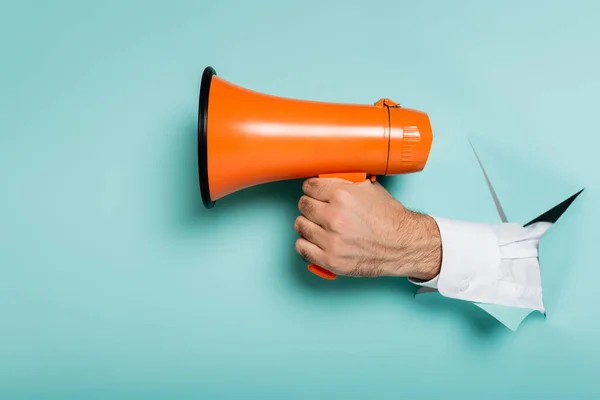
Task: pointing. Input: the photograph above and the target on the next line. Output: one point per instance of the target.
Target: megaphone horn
(246, 138)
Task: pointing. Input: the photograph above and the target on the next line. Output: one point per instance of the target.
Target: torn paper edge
(552, 215)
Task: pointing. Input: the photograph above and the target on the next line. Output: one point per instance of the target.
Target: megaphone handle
(352, 177)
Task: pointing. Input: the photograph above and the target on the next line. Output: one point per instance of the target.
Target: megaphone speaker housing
(246, 138)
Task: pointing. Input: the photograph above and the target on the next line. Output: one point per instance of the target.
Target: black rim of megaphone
(209, 72)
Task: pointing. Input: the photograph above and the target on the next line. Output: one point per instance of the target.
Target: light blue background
(115, 282)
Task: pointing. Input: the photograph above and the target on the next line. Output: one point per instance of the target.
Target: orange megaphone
(246, 138)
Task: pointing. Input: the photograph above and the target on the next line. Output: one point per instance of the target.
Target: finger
(312, 209)
(310, 231)
(310, 252)
(321, 188)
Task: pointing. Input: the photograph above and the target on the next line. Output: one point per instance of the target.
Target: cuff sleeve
(490, 264)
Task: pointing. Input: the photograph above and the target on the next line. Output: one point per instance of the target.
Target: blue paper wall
(116, 283)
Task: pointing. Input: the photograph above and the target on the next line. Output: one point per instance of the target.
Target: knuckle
(298, 224)
(302, 228)
(302, 250)
(304, 204)
(309, 184)
(298, 245)
(305, 185)
(305, 232)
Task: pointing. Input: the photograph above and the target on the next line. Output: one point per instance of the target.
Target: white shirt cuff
(490, 263)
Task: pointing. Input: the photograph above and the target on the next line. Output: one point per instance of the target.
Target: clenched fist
(360, 230)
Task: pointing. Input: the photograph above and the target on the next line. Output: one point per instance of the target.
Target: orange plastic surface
(255, 138)
(351, 176)
(321, 272)
(386, 103)
(410, 141)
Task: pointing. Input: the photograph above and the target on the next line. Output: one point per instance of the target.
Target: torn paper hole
(512, 317)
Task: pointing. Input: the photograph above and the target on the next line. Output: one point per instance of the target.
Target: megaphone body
(247, 138)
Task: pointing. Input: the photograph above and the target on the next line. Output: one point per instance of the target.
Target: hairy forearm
(420, 247)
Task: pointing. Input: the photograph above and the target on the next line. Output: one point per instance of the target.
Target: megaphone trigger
(355, 177)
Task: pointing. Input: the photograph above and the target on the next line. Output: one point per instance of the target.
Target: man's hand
(359, 229)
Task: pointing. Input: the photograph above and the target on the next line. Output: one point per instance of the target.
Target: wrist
(428, 262)
(420, 257)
